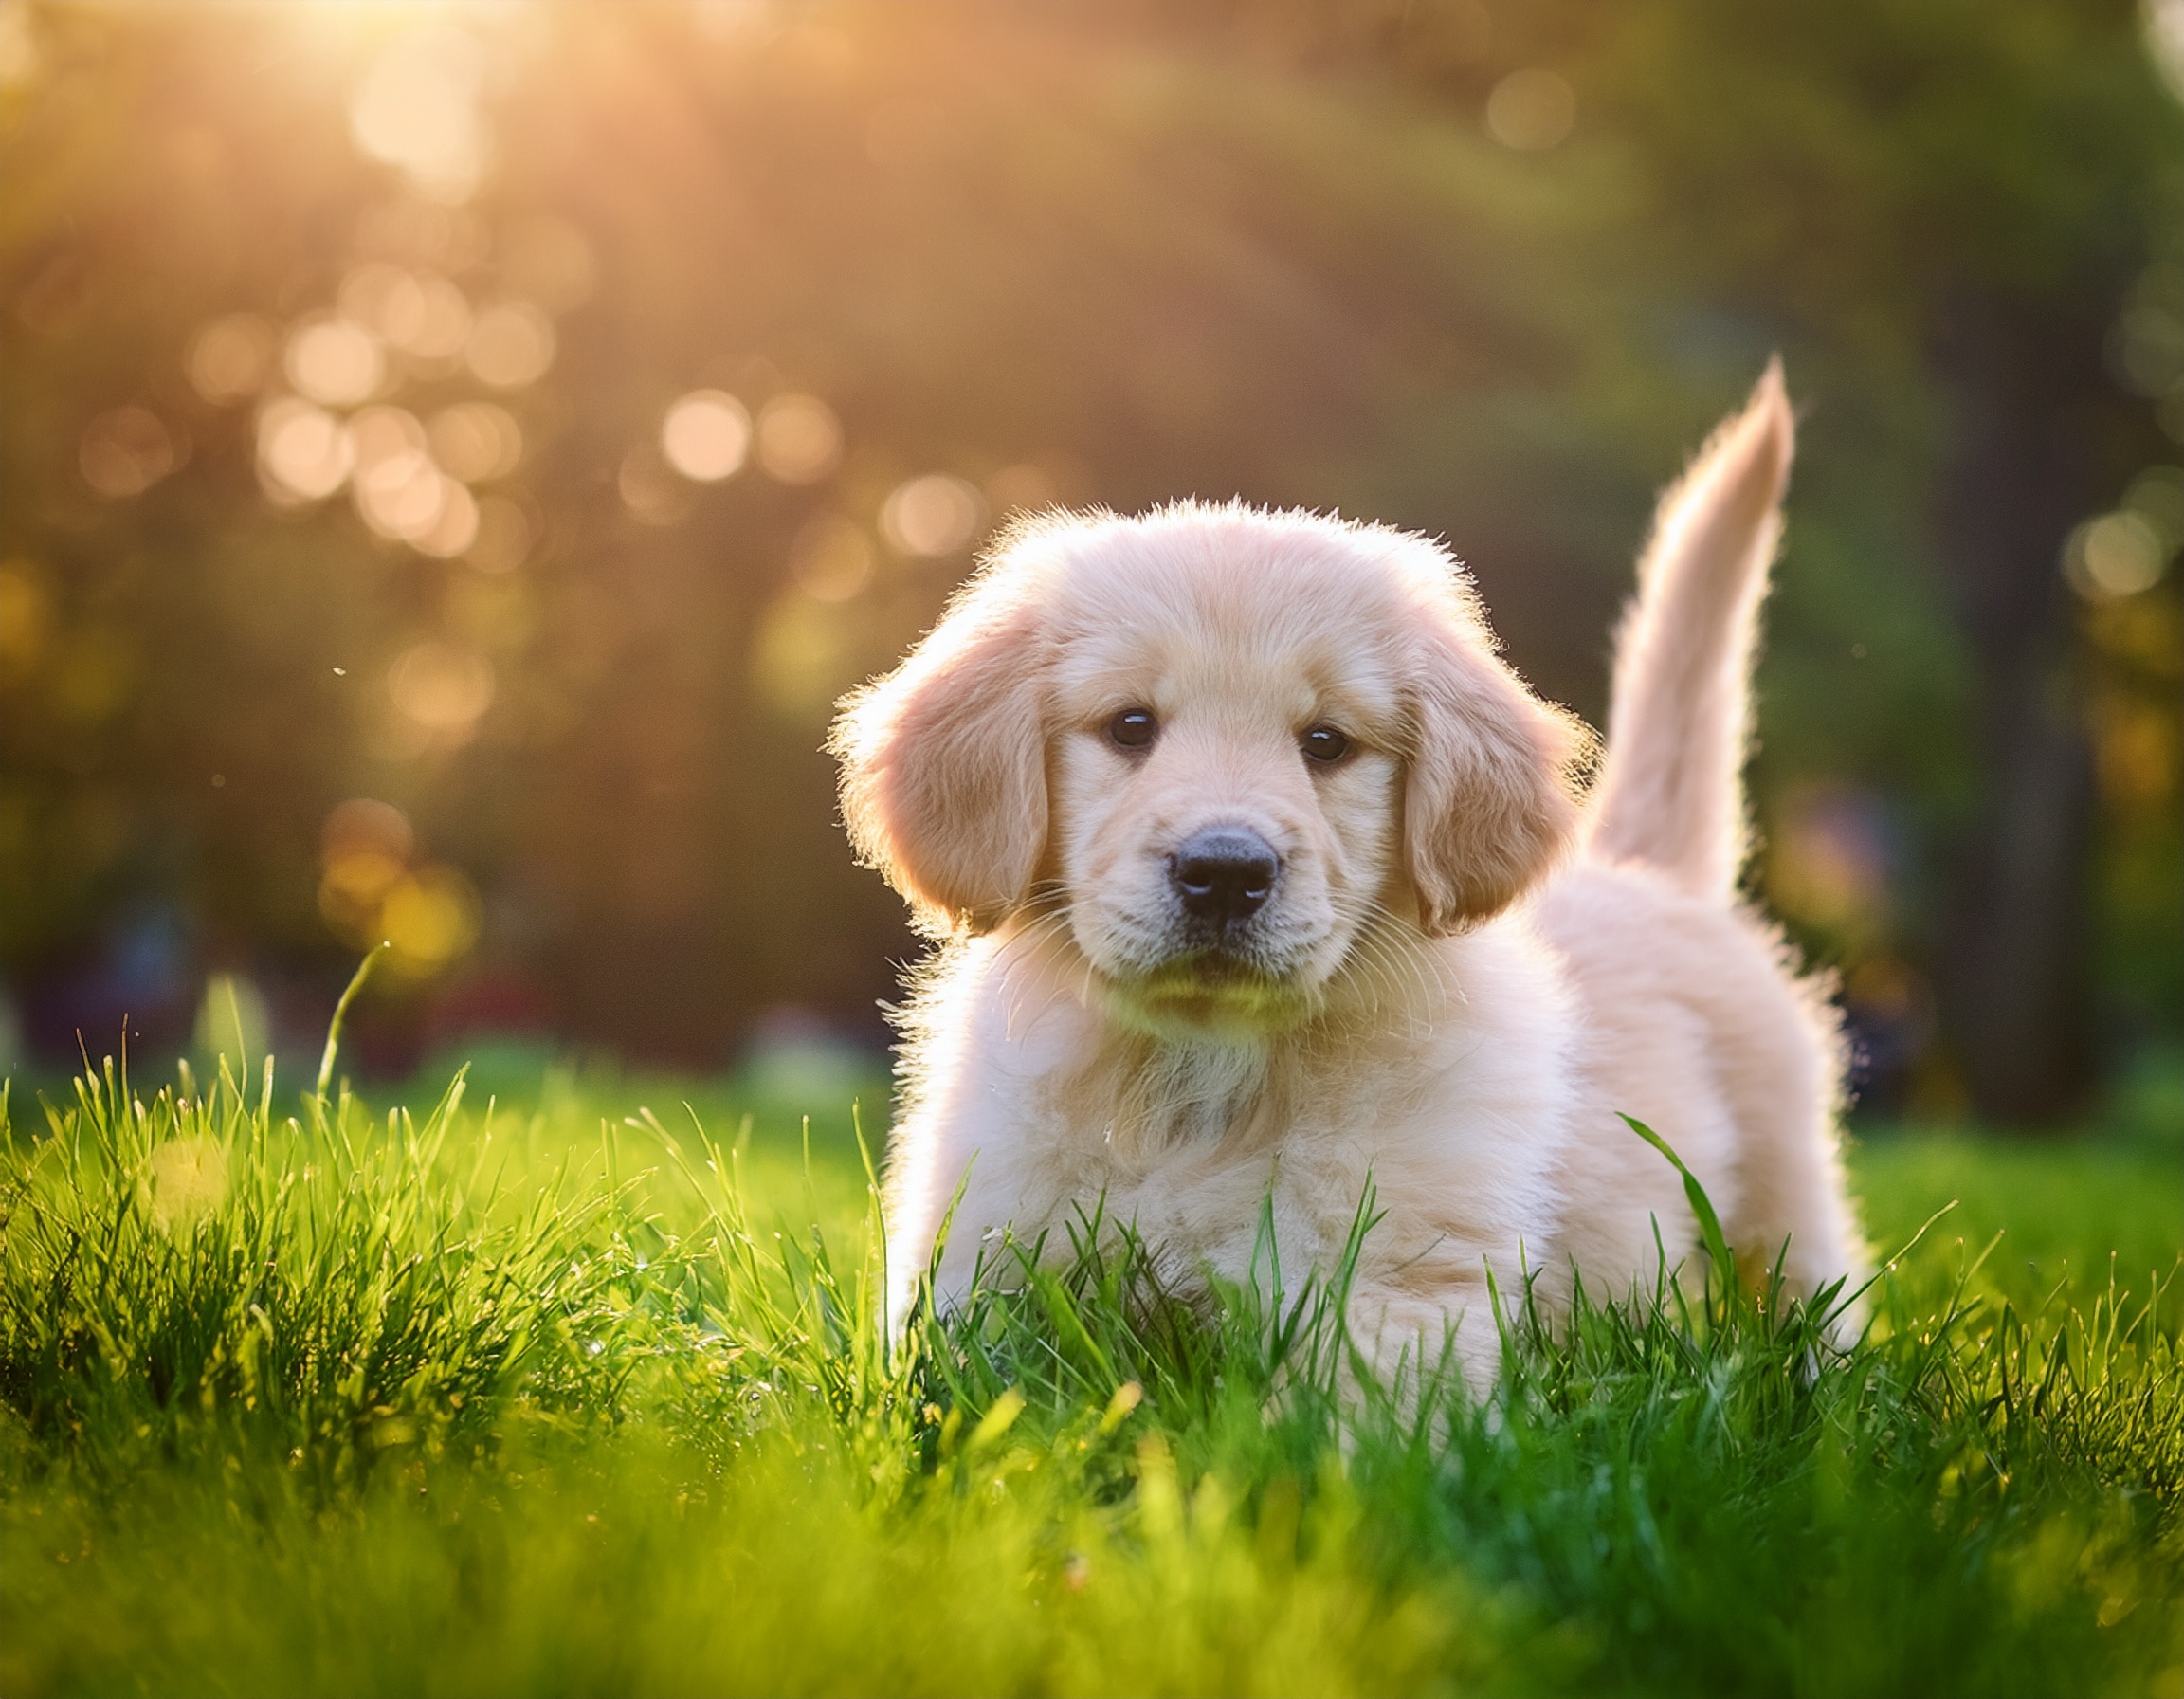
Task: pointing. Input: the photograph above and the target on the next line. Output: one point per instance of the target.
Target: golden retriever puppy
(1260, 875)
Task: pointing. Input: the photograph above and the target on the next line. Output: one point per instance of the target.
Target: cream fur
(1461, 974)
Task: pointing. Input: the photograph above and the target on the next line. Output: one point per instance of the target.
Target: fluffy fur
(1463, 970)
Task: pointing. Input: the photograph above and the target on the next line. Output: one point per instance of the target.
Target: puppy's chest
(1148, 1113)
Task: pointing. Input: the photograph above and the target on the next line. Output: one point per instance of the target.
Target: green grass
(570, 1397)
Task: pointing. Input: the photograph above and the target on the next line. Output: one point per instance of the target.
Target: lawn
(579, 1391)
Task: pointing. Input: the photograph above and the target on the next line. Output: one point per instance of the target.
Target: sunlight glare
(416, 108)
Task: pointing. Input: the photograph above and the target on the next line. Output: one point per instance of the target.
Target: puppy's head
(1220, 747)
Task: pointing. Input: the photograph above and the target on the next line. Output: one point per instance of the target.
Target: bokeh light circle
(2112, 556)
(932, 516)
(476, 441)
(799, 438)
(304, 452)
(230, 358)
(706, 435)
(441, 687)
(1532, 110)
(125, 452)
(333, 360)
(510, 344)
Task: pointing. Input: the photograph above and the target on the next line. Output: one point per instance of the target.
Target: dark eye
(1325, 744)
(1133, 728)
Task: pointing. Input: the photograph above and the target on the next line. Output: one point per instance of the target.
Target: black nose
(1225, 873)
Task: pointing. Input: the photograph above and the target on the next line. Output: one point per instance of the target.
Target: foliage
(470, 1400)
(1066, 253)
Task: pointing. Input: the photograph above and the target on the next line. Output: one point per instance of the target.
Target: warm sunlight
(834, 857)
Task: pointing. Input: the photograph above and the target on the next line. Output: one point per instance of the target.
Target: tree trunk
(2012, 971)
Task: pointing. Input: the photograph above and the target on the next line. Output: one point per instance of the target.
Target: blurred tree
(363, 572)
(1947, 213)
(1966, 196)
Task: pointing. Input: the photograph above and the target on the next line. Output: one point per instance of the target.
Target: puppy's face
(1213, 747)
(1224, 759)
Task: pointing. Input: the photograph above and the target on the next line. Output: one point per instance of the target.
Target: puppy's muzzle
(1223, 876)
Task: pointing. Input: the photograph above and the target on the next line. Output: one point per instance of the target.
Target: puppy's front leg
(1407, 1337)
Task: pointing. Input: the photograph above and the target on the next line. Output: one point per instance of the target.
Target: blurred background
(453, 455)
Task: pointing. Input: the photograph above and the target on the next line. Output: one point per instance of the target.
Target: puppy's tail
(1670, 790)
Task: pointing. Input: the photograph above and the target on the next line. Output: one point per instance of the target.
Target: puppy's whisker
(1024, 950)
(1373, 952)
(1384, 960)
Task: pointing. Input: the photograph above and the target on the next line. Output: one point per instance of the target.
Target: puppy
(1259, 876)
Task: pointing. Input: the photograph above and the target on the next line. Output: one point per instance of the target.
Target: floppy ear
(945, 764)
(1487, 804)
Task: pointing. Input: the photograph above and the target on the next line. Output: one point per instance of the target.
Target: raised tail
(1670, 792)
